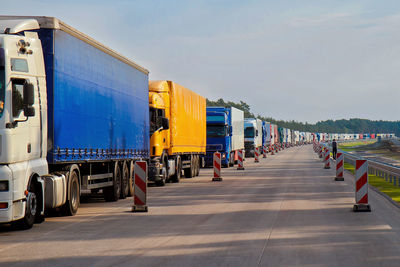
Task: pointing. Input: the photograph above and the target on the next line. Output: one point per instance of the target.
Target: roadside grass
(378, 182)
(352, 146)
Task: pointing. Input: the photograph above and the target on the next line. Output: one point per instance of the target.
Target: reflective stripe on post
(140, 187)
(327, 160)
(272, 150)
(264, 151)
(240, 159)
(256, 154)
(361, 186)
(217, 166)
(339, 167)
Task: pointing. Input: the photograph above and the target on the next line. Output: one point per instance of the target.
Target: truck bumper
(15, 209)
(154, 173)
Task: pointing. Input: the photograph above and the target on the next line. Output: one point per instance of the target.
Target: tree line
(354, 125)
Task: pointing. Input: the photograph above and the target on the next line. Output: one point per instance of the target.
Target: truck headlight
(223, 155)
(3, 186)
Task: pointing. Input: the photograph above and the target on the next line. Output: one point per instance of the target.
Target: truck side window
(17, 96)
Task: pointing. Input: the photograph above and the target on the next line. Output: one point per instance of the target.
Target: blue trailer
(84, 115)
(266, 133)
(225, 134)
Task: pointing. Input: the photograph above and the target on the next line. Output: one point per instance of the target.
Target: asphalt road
(284, 211)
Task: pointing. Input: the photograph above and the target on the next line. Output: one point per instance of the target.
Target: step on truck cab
(225, 134)
(177, 132)
(73, 119)
(252, 136)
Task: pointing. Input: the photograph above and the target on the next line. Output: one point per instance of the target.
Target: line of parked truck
(76, 115)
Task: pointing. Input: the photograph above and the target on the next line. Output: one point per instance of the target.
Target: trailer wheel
(190, 172)
(178, 171)
(131, 175)
(112, 193)
(71, 206)
(125, 181)
(197, 165)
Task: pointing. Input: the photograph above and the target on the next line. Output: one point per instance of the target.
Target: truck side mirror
(165, 123)
(230, 130)
(256, 132)
(29, 111)
(29, 96)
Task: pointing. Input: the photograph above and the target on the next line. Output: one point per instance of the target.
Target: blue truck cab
(219, 131)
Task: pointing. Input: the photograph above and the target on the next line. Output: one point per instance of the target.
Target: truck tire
(124, 181)
(112, 193)
(190, 172)
(163, 176)
(131, 177)
(178, 171)
(197, 165)
(232, 160)
(71, 206)
(30, 211)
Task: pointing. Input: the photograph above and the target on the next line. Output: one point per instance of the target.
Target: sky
(307, 60)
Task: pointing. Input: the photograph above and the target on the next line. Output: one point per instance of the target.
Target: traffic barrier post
(217, 167)
(339, 167)
(361, 186)
(140, 187)
(272, 150)
(264, 151)
(240, 159)
(327, 159)
(256, 154)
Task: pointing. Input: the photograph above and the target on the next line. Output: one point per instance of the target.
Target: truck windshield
(216, 130)
(249, 132)
(2, 80)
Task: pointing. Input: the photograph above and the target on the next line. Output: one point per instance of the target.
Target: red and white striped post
(272, 150)
(217, 167)
(320, 151)
(240, 159)
(276, 148)
(280, 146)
(264, 151)
(327, 159)
(361, 186)
(140, 187)
(339, 167)
(256, 154)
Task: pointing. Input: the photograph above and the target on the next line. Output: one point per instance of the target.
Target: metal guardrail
(387, 171)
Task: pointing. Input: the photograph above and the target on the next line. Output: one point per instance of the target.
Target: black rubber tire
(178, 171)
(73, 196)
(232, 160)
(124, 181)
(189, 172)
(197, 165)
(163, 180)
(30, 212)
(131, 177)
(112, 193)
(164, 176)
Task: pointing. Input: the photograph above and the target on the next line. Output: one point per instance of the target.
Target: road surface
(284, 211)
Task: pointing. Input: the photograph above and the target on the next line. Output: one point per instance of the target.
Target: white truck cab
(23, 124)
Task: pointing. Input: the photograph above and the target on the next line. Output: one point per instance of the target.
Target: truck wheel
(125, 181)
(190, 172)
(163, 176)
(178, 171)
(71, 206)
(131, 175)
(197, 165)
(30, 211)
(112, 193)
(232, 160)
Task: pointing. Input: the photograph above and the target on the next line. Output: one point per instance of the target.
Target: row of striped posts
(361, 175)
(217, 158)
